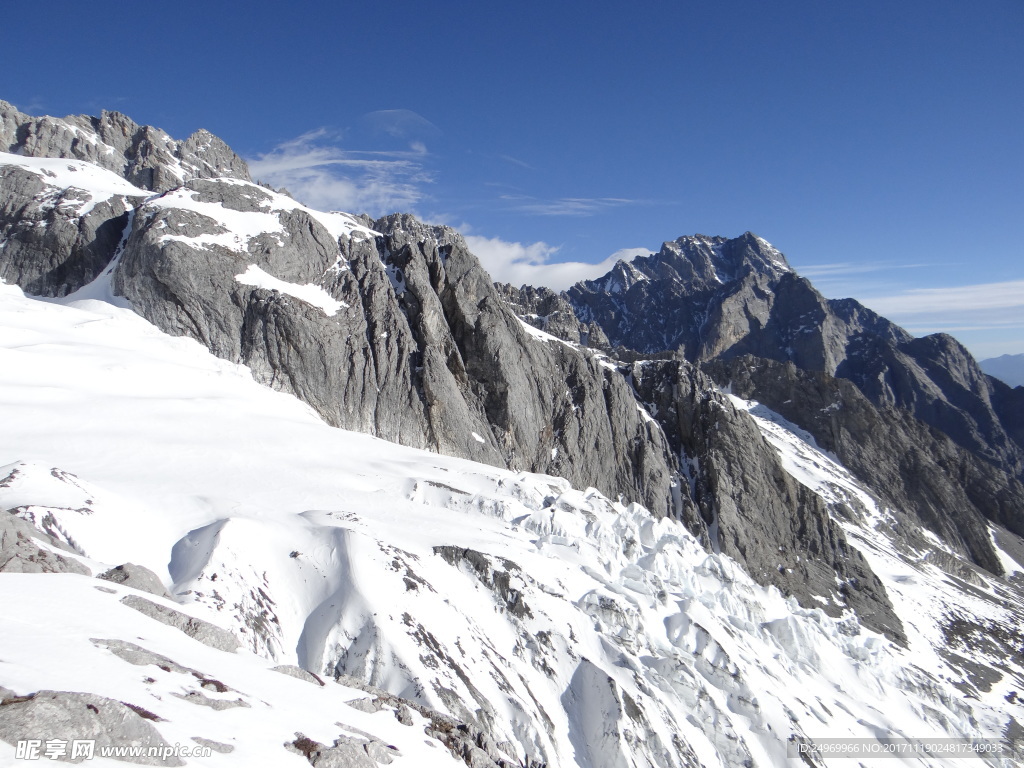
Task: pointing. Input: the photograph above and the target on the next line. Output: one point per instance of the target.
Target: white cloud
(532, 264)
(323, 176)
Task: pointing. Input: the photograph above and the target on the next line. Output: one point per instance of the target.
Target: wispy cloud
(322, 175)
(980, 315)
(532, 264)
(401, 124)
(565, 206)
(517, 161)
(841, 268)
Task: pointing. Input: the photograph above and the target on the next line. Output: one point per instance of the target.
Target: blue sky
(879, 145)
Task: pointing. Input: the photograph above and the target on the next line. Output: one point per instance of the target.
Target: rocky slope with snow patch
(389, 327)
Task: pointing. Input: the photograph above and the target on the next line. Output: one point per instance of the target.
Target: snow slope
(571, 629)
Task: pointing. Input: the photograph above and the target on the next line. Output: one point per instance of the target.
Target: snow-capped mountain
(597, 563)
(713, 298)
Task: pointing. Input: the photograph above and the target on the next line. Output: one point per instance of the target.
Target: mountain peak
(724, 260)
(696, 262)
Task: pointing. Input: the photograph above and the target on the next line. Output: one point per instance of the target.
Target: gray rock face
(49, 248)
(20, 551)
(938, 381)
(423, 350)
(145, 156)
(661, 302)
(82, 716)
(552, 313)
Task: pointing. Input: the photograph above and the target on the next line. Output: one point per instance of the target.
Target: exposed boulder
(137, 577)
(298, 672)
(84, 716)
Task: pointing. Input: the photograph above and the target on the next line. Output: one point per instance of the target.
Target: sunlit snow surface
(316, 545)
(309, 293)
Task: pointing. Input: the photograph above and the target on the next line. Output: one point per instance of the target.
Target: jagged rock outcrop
(55, 240)
(419, 348)
(20, 550)
(938, 381)
(664, 301)
(552, 313)
(145, 156)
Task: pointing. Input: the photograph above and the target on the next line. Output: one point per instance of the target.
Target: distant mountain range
(1006, 368)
